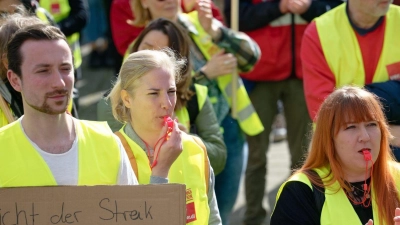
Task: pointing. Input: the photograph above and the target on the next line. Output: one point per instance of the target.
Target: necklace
(357, 191)
(361, 196)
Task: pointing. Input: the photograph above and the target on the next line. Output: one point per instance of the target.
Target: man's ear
(14, 80)
(126, 99)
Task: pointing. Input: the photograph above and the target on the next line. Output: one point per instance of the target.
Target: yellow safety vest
(190, 168)
(60, 10)
(248, 119)
(337, 208)
(21, 164)
(41, 14)
(201, 95)
(342, 51)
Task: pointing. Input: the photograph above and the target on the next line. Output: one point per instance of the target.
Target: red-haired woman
(349, 176)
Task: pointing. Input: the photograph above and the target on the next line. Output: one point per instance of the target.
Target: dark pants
(227, 182)
(264, 97)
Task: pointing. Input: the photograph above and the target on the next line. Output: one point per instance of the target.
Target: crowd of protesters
(329, 68)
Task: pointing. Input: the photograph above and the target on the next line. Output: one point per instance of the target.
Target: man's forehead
(40, 50)
(43, 45)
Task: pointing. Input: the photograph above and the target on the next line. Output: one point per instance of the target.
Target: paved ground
(96, 81)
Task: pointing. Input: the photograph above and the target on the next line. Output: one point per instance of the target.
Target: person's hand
(283, 6)
(183, 128)
(397, 217)
(298, 6)
(169, 151)
(220, 64)
(205, 18)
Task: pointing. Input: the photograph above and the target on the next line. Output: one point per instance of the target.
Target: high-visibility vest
(183, 114)
(22, 165)
(248, 119)
(190, 168)
(342, 51)
(60, 10)
(337, 208)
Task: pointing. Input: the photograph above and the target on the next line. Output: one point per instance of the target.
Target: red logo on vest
(55, 8)
(394, 71)
(190, 212)
(190, 207)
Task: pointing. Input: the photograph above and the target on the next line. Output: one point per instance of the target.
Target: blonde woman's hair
(136, 66)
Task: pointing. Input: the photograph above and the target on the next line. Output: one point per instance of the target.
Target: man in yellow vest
(356, 43)
(47, 146)
(11, 100)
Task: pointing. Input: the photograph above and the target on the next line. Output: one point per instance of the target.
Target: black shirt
(297, 206)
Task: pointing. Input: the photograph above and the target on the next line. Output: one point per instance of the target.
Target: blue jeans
(227, 182)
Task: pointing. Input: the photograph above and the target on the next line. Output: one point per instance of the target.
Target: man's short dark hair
(36, 32)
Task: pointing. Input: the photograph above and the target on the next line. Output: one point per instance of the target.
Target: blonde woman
(143, 97)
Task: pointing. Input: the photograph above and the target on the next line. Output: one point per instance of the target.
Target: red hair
(358, 105)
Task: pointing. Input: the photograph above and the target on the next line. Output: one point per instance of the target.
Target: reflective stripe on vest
(188, 169)
(247, 117)
(342, 51)
(99, 157)
(183, 114)
(337, 208)
(60, 9)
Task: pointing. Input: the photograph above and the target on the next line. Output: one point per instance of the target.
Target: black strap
(193, 110)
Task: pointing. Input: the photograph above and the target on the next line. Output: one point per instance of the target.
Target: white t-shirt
(64, 167)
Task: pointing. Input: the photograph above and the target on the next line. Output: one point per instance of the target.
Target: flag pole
(235, 27)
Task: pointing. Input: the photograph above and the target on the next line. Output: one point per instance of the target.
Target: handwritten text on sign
(87, 205)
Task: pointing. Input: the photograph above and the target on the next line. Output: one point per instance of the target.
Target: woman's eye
(350, 127)
(66, 69)
(373, 124)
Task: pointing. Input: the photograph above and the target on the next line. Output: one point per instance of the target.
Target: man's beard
(46, 108)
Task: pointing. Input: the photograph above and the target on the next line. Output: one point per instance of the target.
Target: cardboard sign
(95, 205)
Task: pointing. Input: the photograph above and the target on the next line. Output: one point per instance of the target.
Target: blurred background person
(277, 26)
(361, 49)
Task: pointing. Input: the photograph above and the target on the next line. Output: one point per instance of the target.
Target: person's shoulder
(95, 127)
(8, 128)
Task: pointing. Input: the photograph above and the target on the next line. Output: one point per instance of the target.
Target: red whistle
(170, 123)
(367, 155)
